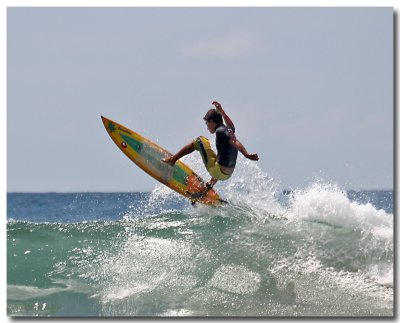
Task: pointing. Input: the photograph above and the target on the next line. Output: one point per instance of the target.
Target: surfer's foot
(169, 160)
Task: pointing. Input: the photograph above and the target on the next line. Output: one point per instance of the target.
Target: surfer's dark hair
(214, 115)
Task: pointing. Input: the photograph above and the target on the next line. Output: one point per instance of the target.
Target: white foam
(329, 203)
(22, 292)
(236, 279)
(381, 274)
(142, 266)
(180, 312)
(124, 292)
(303, 270)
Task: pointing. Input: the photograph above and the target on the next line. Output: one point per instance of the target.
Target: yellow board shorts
(202, 145)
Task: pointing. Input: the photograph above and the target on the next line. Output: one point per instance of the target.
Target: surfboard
(147, 155)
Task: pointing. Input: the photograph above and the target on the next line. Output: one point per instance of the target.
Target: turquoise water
(319, 251)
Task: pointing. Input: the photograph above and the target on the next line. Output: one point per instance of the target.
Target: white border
(133, 3)
(199, 3)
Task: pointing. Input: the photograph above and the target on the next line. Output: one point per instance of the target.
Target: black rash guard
(227, 153)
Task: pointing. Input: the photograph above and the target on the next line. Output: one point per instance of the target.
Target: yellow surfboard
(147, 155)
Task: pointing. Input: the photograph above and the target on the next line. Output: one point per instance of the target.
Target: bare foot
(169, 160)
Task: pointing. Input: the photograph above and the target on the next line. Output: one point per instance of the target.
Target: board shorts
(202, 145)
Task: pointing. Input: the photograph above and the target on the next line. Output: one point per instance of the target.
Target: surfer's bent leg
(185, 150)
(202, 145)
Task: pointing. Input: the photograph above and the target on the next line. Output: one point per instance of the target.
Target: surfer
(220, 165)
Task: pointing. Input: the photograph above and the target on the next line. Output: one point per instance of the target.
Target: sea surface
(316, 251)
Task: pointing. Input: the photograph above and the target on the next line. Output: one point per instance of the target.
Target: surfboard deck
(147, 155)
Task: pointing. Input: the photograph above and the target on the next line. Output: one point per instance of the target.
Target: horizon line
(146, 191)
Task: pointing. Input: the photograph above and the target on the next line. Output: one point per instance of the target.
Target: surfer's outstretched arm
(227, 120)
(239, 146)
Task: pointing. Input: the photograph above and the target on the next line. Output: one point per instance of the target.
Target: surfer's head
(213, 120)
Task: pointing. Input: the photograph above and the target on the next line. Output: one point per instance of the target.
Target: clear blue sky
(309, 89)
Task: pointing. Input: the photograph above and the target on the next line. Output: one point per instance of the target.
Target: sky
(309, 89)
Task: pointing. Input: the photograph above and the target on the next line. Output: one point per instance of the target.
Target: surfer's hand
(252, 156)
(218, 106)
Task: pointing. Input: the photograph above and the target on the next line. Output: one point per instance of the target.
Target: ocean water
(316, 251)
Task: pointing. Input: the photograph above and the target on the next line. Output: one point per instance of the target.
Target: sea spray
(343, 245)
(329, 203)
(249, 189)
(317, 251)
(362, 239)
